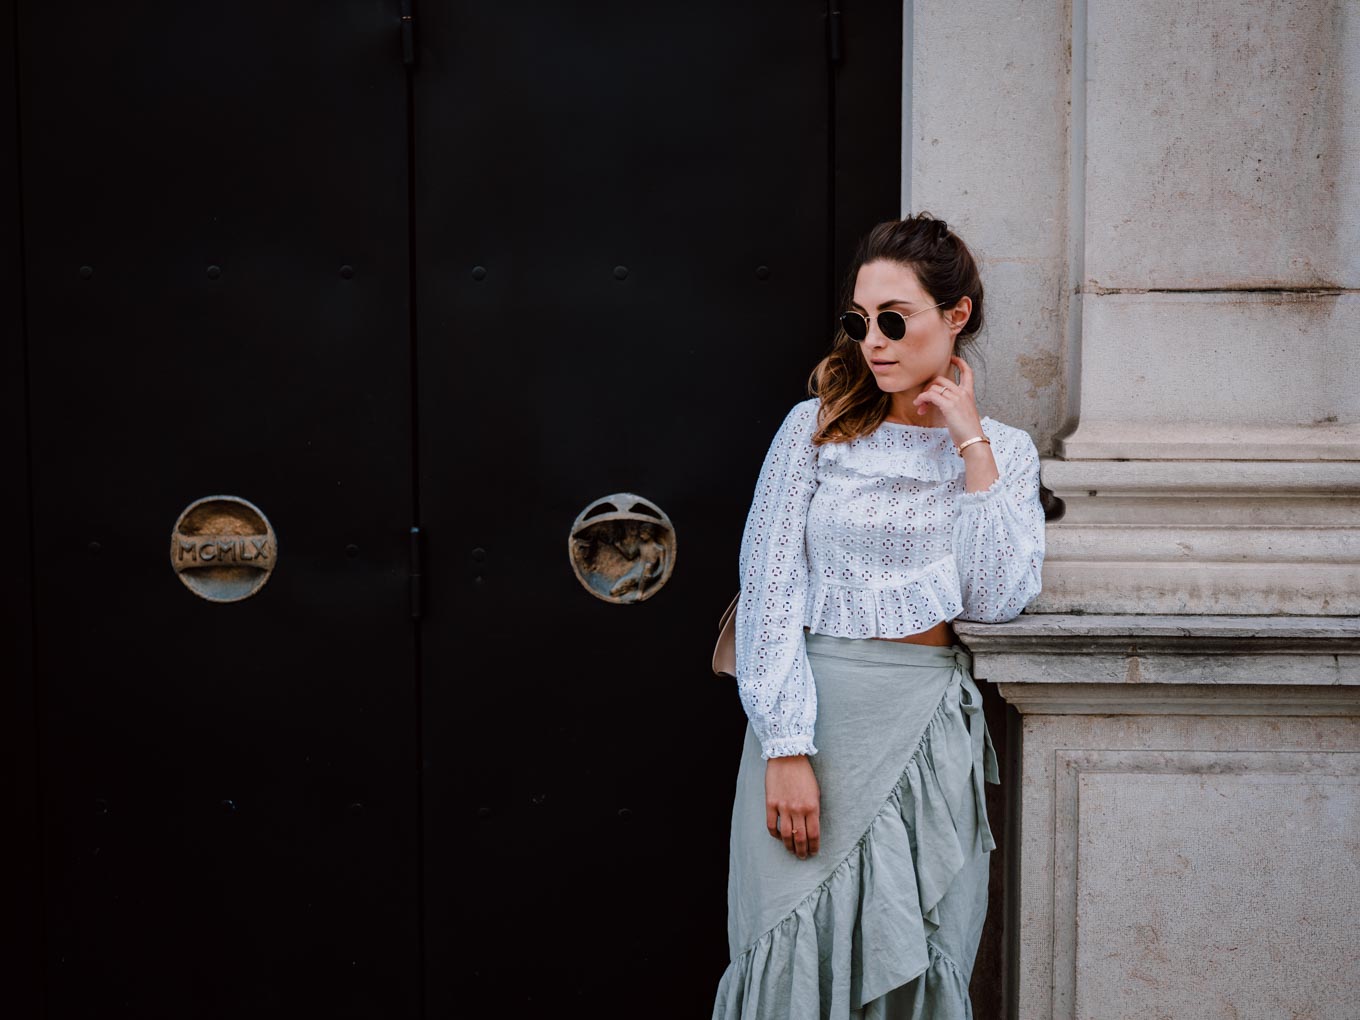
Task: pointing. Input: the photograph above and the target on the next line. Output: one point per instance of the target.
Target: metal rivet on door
(223, 548)
(622, 548)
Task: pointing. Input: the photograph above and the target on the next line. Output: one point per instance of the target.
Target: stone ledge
(1181, 699)
(1077, 650)
(1255, 478)
(1122, 441)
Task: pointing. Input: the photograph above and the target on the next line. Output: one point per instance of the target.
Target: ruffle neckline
(862, 932)
(908, 608)
(923, 452)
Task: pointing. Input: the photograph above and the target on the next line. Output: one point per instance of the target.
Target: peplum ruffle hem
(909, 608)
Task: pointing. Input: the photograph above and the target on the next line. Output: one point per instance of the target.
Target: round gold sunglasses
(892, 324)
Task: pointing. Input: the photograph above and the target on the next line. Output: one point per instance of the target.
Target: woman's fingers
(940, 386)
(947, 395)
(814, 832)
(943, 399)
(799, 831)
(793, 804)
(800, 836)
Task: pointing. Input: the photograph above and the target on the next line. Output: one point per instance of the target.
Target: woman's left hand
(955, 401)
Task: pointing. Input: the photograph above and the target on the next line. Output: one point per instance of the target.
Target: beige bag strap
(725, 651)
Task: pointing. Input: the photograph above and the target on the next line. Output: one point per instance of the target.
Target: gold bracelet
(976, 439)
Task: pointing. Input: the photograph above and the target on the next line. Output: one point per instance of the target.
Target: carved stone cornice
(1120, 441)
(1132, 664)
(1213, 537)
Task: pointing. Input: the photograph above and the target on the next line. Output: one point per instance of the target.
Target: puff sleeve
(999, 535)
(774, 680)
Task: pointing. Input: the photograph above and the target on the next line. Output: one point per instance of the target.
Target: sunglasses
(891, 324)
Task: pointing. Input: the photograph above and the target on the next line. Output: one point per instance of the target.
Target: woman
(860, 842)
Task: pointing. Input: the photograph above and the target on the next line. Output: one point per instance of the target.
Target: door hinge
(417, 571)
(833, 31)
(408, 34)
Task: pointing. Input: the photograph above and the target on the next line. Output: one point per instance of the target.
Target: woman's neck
(903, 412)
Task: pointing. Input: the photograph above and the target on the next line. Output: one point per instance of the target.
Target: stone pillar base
(1188, 825)
(1206, 537)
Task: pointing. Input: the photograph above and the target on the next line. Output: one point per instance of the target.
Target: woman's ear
(964, 305)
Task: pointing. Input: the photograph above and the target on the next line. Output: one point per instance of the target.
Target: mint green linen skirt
(884, 921)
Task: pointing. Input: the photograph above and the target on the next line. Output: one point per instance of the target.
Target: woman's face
(924, 352)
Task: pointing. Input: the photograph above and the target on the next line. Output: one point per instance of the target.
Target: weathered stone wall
(1166, 200)
(987, 148)
(1164, 196)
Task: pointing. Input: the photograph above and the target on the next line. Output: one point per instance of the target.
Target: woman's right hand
(793, 803)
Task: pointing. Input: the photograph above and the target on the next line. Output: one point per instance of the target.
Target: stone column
(1214, 462)
(1165, 197)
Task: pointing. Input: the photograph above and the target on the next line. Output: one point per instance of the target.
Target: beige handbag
(725, 651)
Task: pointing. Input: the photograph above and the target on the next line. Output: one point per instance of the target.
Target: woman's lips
(879, 366)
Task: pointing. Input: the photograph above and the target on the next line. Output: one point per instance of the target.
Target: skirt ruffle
(862, 933)
(940, 991)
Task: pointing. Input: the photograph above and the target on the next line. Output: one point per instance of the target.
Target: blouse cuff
(981, 496)
(782, 747)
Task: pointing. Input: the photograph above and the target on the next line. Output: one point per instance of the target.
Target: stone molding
(1087, 662)
(1236, 537)
(1108, 444)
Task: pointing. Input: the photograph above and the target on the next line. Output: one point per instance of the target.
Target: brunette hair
(852, 403)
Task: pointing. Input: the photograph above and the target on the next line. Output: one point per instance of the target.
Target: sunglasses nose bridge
(875, 327)
(874, 323)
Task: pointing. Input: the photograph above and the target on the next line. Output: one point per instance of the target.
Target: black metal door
(228, 792)
(469, 272)
(627, 239)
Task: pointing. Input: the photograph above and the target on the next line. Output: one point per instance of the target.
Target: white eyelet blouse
(873, 538)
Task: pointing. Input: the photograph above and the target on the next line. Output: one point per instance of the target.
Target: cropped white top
(873, 538)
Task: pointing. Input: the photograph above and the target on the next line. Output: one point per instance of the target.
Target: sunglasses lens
(855, 325)
(893, 325)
